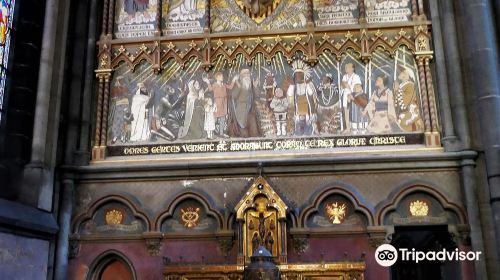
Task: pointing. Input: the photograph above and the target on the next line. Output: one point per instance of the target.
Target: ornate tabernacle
(261, 216)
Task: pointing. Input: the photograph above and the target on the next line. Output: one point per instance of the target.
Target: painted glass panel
(6, 18)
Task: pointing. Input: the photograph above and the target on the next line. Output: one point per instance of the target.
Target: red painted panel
(116, 270)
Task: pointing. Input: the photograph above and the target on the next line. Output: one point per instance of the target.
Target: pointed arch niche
(261, 217)
(111, 265)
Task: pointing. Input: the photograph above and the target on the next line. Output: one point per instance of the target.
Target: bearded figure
(244, 122)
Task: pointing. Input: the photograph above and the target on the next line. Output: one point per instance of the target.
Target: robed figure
(244, 121)
(140, 126)
(194, 116)
(381, 109)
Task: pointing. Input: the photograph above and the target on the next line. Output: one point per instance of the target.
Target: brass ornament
(336, 212)
(422, 44)
(190, 216)
(114, 217)
(419, 208)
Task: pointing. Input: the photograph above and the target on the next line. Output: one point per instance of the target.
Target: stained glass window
(6, 18)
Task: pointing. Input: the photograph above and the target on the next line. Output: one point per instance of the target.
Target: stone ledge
(249, 166)
(15, 215)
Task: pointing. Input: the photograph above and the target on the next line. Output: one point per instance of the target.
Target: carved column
(423, 55)
(207, 16)
(241, 257)
(105, 108)
(101, 125)
(421, 7)
(365, 47)
(97, 136)
(206, 30)
(159, 5)
(309, 14)
(423, 94)
(432, 104)
(414, 9)
(105, 10)
(362, 11)
(312, 58)
(111, 12)
(284, 253)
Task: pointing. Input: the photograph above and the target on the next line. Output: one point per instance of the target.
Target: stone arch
(344, 191)
(187, 196)
(102, 202)
(104, 260)
(425, 190)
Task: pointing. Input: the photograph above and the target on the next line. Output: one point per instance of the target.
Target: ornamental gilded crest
(114, 217)
(190, 216)
(258, 10)
(336, 212)
(419, 208)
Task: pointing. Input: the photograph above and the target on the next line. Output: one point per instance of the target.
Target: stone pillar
(37, 185)
(65, 212)
(473, 215)
(44, 83)
(454, 71)
(483, 63)
(82, 154)
(450, 140)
